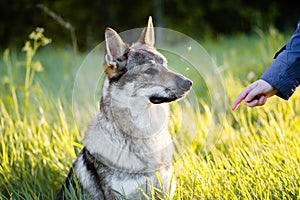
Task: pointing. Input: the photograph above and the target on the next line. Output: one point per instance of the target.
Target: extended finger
(240, 98)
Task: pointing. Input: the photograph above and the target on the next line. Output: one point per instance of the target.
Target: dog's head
(142, 69)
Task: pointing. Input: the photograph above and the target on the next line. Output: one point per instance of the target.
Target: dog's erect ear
(147, 36)
(115, 48)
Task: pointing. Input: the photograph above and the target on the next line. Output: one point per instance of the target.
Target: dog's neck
(134, 116)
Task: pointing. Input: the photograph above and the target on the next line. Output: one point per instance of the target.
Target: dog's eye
(151, 71)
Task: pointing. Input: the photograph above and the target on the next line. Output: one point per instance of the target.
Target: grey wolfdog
(127, 150)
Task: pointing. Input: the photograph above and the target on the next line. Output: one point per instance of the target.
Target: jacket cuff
(284, 77)
(274, 75)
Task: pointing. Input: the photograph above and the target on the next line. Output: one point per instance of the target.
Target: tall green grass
(256, 157)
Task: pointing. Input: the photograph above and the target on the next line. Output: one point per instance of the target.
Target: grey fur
(128, 144)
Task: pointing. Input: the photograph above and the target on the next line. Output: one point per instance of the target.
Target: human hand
(256, 94)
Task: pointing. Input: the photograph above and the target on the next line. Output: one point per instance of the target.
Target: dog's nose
(185, 84)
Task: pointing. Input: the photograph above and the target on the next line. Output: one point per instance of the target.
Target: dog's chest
(130, 186)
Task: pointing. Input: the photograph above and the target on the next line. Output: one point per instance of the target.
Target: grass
(256, 156)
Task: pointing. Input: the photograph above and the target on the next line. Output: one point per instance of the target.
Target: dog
(127, 150)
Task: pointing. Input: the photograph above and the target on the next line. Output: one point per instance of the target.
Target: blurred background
(257, 154)
(88, 19)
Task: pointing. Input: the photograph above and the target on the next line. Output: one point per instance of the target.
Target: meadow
(256, 154)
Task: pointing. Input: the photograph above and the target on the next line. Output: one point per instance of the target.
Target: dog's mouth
(157, 98)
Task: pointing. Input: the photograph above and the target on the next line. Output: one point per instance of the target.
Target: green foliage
(38, 40)
(31, 120)
(194, 18)
(256, 157)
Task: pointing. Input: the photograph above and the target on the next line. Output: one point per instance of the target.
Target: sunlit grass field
(257, 155)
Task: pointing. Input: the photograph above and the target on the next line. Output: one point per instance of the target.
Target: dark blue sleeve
(284, 72)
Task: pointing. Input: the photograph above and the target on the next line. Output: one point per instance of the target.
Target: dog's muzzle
(171, 94)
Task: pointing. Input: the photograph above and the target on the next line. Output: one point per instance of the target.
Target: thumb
(255, 92)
